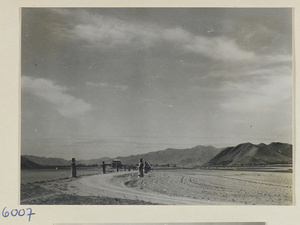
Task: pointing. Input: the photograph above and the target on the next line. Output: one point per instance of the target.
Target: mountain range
(246, 154)
(28, 160)
(185, 157)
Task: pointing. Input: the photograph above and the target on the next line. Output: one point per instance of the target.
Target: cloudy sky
(119, 81)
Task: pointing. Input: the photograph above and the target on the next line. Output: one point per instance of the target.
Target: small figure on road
(141, 168)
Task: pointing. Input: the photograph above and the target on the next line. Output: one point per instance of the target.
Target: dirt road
(114, 186)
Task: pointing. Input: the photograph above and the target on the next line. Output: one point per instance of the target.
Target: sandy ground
(215, 186)
(176, 187)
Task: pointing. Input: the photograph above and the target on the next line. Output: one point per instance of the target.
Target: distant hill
(248, 154)
(43, 161)
(186, 157)
(95, 161)
(28, 164)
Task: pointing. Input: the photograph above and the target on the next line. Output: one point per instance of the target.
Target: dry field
(181, 187)
(220, 186)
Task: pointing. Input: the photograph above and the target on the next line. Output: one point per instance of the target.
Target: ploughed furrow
(162, 183)
(245, 188)
(265, 179)
(220, 186)
(189, 186)
(178, 185)
(211, 188)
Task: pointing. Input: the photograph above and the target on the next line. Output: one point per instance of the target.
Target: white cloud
(278, 58)
(103, 85)
(177, 35)
(267, 71)
(260, 97)
(108, 32)
(219, 48)
(121, 87)
(66, 104)
(99, 84)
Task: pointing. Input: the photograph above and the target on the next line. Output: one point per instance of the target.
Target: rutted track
(113, 185)
(192, 187)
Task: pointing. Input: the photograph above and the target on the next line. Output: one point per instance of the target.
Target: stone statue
(141, 168)
(103, 167)
(73, 168)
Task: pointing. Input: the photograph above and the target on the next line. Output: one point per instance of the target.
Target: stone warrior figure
(73, 168)
(141, 168)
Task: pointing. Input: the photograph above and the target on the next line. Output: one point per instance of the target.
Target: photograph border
(10, 135)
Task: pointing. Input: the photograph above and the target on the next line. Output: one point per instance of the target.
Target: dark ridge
(248, 154)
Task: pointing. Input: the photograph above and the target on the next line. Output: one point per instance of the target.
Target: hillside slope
(28, 164)
(187, 157)
(250, 154)
(43, 161)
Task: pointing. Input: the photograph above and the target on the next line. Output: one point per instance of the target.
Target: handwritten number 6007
(16, 212)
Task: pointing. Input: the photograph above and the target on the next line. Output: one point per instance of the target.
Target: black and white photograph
(157, 106)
